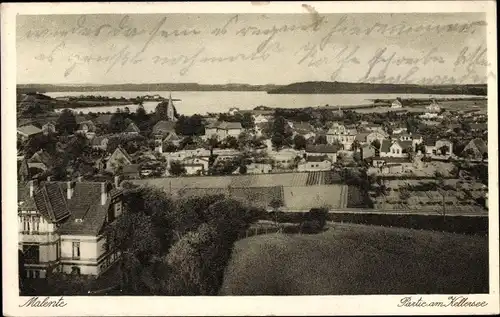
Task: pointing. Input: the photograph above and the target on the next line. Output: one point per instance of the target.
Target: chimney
(69, 190)
(104, 194)
(117, 181)
(49, 178)
(31, 188)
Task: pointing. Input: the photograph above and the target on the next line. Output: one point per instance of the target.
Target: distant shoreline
(311, 87)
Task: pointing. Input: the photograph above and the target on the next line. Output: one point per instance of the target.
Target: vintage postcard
(255, 158)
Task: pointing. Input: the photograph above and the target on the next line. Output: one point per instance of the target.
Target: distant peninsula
(325, 87)
(44, 88)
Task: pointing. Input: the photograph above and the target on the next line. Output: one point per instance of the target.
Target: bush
(311, 226)
(319, 215)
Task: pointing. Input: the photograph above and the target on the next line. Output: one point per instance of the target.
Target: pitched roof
(131, 169)
(132, 127)
(361, 137)
(404, 144)
(385, 146)
(125, 154)
(316, 158)
(480, 145)
(430, 142)
(172, 136)
(164, 125)
(51, 202)
(224, 125)
(85, 205)
(303, 126)
(41, 156)
(321, 148)
(29, 130)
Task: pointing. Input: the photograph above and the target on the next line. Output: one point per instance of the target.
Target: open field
(260, 190)
(259, 180)
(459, 197)
(351, 259)
(306, 197)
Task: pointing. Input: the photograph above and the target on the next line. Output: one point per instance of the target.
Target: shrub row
(457, 224)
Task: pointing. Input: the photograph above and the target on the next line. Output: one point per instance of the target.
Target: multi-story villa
(61, 226)
(341, 133)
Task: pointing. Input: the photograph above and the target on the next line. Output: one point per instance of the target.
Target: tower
(170, 109)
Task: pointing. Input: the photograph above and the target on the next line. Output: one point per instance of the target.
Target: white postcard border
(188, 306)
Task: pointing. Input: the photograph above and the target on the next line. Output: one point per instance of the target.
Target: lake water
(203, 102)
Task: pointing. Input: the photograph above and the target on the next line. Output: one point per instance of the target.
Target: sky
(251, 48)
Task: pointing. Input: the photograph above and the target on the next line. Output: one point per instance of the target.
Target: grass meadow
(351, 259)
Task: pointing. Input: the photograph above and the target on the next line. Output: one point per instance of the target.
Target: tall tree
(176, 168)
(118, 122)
(278, 140)
(190, 125)
(355, 145)
(247, 121)
(66, 122)
(321, 139)
(299, 142)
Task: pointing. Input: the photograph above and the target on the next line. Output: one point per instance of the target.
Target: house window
(26, 223)
(76, 250)
(31, 253)
(36, 224)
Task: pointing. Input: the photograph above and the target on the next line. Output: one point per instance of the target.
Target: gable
(396, 145)
(120, 153)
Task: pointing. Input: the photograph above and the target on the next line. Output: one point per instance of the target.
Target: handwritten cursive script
(45, 302)
(333, 44)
